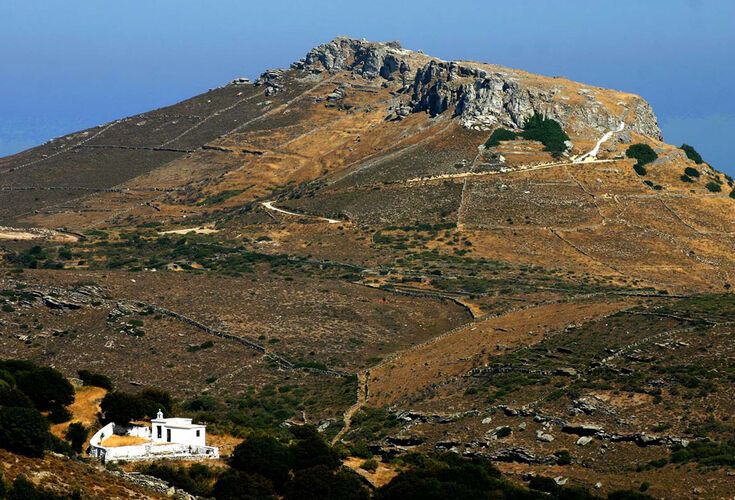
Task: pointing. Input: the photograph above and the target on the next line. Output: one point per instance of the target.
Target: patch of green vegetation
(204, 345)
(686, 178)
(536, 128)
(706, 453)
(372, 424)
(546, 131)
(644, 154)
(713, 187)
(220, 197)
(691, 172)
(196, 479)
(692, 153)
(499, 135)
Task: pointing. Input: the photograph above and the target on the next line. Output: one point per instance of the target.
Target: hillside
(435, 250)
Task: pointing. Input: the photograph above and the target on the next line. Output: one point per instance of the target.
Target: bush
(310, 450)
(643, 153)
(640, 170)
(23, 431)
(237, 485)
(15, 398)
(692, 153)
(95, 379)
(263, 455)
(322, 483)
(686, 178)
(59, 414)
(76, 434)
(46, 387)
(370, 465)
(713, 187)
(499, 135)
(563, 457)
(732, 194)
(449, 476)
(546, 131)
(194, 479)
(691, 172)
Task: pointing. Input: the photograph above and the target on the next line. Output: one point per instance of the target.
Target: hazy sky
(68, 65)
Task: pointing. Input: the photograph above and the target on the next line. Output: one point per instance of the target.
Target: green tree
(14, 397)
(643, 153)
(238, 485)
(264, 455)
(24, 431)
(546, 131)
(95, 379)
(322, 483)
(692, 154)
(310, 450)
(46, 387)
(122, 407)
(76, 434)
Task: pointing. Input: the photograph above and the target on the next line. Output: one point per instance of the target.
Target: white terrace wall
(158, 451)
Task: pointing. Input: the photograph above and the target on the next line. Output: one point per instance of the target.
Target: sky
(72, 64)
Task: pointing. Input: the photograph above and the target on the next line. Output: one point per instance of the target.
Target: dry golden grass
(84, 409)
(454, 354)
(382, 475)
(117, 441)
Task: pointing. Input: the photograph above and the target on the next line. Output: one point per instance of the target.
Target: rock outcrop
(368, 59)
(482, 100)
(480, 96)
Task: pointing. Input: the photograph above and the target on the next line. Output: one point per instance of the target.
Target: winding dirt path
(269, 205)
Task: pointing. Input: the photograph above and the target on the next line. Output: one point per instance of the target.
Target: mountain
(491, 261)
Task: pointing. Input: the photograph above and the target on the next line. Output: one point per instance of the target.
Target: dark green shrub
(323, 483)
(691, 172)
(265, 456)
(14, 397)
(59, 414)
(24, 431)
(732, 194)
(692, 153)
(123, 407)
(95, 379)
(46, 387)
(310, 450)
(546, 131)
(195, 479)
(370, 465)
(499, 135)
(643, 153)
(541, 483)
(686, 178)
(76, 434)
(713, 187)
(236, 485)
(563, 457)
(640, 170)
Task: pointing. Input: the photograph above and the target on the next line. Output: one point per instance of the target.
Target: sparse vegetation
(713, 187)
(644, 154)
(692, 154)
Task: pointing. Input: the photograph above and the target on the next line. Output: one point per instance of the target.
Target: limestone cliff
(483, 96)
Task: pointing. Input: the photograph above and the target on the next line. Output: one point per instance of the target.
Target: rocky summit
(410, 254)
